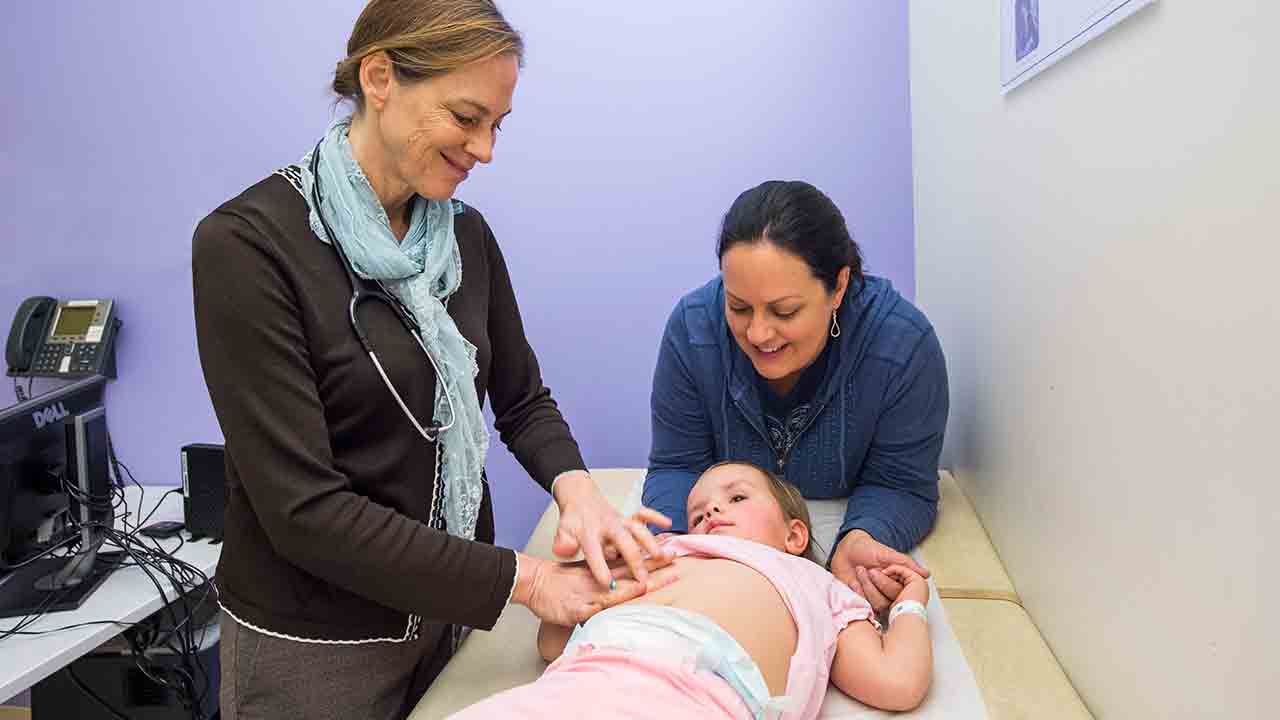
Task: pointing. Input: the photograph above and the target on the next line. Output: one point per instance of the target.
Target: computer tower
(204, 489)
(112, 675)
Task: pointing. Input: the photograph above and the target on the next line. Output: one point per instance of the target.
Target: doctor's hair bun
(424, 39)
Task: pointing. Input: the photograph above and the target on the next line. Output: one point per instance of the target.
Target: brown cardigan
(329, 486)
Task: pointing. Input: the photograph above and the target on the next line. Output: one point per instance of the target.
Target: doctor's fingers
(566, 544)
(661, 574)
(636, 529)
(621, 538)
(594, 555)
(639, 527)
(623, 590)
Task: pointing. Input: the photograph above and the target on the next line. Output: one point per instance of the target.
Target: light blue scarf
(422, 270)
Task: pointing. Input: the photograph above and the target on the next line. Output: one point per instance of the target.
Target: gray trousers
(269, 677)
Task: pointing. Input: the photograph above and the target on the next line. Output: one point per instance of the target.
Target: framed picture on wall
(1035, 34)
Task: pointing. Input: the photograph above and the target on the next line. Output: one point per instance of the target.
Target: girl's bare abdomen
(744, 603)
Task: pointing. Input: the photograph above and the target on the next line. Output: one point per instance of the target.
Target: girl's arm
(551, 640)
(892, 671)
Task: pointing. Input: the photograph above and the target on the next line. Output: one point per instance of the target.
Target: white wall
(1098, 251)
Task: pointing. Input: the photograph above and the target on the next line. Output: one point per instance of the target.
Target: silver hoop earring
(835, 325)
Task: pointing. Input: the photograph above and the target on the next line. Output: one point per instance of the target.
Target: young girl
(752, 626)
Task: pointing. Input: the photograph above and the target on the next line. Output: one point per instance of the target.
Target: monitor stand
(19, 594)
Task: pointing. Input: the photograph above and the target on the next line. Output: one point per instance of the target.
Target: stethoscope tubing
(431, 433)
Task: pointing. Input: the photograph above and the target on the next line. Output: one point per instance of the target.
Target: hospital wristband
(911, 607)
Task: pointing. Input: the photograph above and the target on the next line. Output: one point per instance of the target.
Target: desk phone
(62, 338)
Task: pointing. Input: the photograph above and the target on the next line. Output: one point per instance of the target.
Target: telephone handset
(29, 325)
(62, 338)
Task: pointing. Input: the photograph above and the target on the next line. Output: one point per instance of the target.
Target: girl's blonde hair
(424, 39)
(788, 497)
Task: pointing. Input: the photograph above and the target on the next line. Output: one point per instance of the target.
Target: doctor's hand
(860, 561)
(590, 524)
(568, 593)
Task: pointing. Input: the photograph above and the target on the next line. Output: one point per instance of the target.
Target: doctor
(351, 320)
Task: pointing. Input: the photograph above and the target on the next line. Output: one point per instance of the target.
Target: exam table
(997, 647)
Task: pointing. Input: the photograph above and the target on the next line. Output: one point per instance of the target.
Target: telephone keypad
(66, 358)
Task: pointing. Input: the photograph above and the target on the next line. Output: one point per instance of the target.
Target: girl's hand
(860, 561)
(914, 587)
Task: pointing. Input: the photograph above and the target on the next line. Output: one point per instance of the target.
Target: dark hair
(795, 216)
(788, 497)
(424, 39)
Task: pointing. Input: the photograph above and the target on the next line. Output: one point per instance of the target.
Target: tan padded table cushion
(958, 552)
(1014, 668)
(1015, 671)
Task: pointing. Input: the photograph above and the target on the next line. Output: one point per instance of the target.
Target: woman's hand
(567, 593)
(914, 587)
(590, 524)
(860, 562)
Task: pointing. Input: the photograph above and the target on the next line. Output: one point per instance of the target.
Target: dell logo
(51, 414)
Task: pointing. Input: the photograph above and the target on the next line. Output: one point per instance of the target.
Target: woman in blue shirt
(793, 359)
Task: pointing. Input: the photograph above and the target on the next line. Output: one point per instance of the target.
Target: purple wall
(633, 130)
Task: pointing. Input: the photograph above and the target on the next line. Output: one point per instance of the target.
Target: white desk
(126, 596)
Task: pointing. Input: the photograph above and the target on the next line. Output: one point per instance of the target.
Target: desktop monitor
(32, 465)
(49, 444)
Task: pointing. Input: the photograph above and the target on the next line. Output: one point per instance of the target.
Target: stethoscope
(359, 293)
